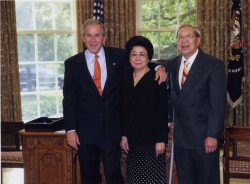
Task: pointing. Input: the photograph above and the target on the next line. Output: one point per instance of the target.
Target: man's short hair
(92, 22)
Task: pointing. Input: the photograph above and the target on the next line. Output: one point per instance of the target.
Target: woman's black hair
(140, 41)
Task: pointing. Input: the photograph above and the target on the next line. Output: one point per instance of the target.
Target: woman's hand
(124, 144)
(159, 148)
(171, 127)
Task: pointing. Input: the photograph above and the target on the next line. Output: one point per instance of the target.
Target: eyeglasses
(95, 36)
(187, 37)
(141, 55)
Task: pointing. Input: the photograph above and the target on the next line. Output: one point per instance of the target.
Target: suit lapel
(111, 63)
(85, 75)
(192, 79)
(177, 86)
(108, 58)
(83, 64)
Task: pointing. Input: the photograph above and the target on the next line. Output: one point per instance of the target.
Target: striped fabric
(185, 73)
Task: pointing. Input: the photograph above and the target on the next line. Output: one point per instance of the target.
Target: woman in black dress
(145, 129)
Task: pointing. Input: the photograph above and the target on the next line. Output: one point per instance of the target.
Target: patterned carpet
(17, 174)
(11, 173)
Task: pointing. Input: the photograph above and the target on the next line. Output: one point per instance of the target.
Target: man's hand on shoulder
(161, 75)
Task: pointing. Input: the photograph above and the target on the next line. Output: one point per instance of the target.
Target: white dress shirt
(90, 59)
(190, 60)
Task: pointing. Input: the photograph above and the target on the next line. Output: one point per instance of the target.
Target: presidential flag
(235, 63)
(98, 12)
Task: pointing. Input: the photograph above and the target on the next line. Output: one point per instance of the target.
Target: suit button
(100, 114)
(133, 102)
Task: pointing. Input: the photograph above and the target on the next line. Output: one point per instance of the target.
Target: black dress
(146, 123)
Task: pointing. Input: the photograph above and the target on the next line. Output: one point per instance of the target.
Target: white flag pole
(172, 156)
(171, 161)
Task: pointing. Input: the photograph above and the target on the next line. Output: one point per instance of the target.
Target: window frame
(56, 92)
(156, 30)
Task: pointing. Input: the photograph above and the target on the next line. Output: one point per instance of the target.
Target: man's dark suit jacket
(96, 119)
(199, 107)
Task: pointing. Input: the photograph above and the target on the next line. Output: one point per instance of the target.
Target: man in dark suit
(198, 94)
(92, 105)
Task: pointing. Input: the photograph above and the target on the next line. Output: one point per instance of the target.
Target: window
(46, 31)
(158, 21)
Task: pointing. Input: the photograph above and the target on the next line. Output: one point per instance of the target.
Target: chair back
(9, 135)
(236, 153)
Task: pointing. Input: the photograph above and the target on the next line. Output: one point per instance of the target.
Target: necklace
(137, 77)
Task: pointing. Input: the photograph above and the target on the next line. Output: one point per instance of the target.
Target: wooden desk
(48, 159)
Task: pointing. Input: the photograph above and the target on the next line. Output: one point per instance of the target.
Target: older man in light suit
(198, 94)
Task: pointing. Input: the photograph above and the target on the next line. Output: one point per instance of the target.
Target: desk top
(48, 133)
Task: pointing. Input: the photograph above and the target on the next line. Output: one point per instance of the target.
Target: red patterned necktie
(97, 75)
(185, 73)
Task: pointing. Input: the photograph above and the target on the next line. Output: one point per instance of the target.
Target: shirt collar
(90, 57)
(191, 59)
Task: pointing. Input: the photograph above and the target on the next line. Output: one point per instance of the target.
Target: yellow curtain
(10, 87)
(119, 20)
(213, 19)
(79, 20)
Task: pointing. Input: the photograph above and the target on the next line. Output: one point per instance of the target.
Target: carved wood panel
(47, 158)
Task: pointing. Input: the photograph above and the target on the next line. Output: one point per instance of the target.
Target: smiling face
(188, 42)
(138, 58)
(93, 38)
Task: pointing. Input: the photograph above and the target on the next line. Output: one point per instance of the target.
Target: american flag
(98, 12)
(235, 64)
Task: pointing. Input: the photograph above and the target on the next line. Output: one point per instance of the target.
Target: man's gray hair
(196, 30)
